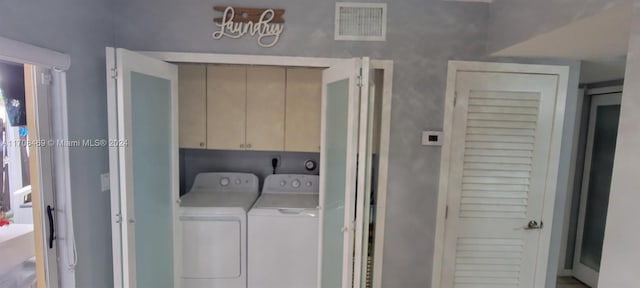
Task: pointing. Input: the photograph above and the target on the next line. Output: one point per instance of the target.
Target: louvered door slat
(502, 124)
(502, 117)
(507, 104)
(495, 173)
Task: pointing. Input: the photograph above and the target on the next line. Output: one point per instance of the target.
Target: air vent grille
(361, 21)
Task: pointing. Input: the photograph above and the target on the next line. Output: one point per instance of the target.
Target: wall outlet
(105, 182)
(279, 159)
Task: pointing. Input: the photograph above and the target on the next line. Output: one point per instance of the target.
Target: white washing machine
(213, 224)
(283, 233)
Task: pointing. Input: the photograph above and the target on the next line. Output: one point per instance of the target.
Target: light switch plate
(105, 182)
(432, 138)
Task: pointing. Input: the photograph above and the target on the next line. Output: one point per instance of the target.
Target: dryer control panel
(226, 182)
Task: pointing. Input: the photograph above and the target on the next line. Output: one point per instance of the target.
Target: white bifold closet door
(344, 144)
(500, 150)
(143, 163)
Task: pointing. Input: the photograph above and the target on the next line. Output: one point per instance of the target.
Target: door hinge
(359, 80)
(45, 78)
(446, 212)
(350, 227)
(118, 218)
(455, 98)
(114, 73)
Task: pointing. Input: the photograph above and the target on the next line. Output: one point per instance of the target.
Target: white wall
(621, 253)
(514, 21)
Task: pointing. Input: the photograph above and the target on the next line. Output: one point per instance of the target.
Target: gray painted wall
(194, 161)
(621, 253)
(514, 21)
(81, 29)
(422, 36)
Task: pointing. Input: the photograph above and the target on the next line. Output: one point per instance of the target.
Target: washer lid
(287, 200)
(286, 212)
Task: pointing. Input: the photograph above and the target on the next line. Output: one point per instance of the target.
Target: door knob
(533, 225)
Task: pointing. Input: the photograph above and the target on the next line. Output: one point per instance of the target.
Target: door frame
(57, 122)
(613, 97)
(319, 62)
(445, 162)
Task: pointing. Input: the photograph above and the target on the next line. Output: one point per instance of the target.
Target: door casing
(50, 261)
(211, 58)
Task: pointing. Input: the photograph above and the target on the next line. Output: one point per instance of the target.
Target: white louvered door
(501, 138)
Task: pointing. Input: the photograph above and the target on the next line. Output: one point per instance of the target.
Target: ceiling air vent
(361, 21)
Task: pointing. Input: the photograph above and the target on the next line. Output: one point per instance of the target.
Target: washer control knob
(295, 183)
(238, 181)
(283, 183)
(309, 184)
(224, 181)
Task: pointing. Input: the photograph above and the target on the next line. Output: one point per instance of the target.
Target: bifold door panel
(143, 118)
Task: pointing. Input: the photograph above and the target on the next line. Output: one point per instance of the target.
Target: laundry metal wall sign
(265, 24)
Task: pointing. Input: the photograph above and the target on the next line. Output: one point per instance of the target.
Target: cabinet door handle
(241, 145)
(248, 145)
(201, 144)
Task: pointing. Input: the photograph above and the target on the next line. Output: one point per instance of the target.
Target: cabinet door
(226, 107)
(265, 108)
(192, 99)
(303, 105)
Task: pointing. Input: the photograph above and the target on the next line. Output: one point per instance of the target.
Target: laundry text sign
(265, 24)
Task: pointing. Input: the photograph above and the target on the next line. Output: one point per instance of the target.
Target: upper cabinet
(265, 108)
(303, 107)
(233, 107)
(226, 107)
(192, 85)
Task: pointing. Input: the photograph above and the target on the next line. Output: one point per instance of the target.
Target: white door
(596, 182)
(341, 96)
(44, 180)
(143, 160)
(498, 180)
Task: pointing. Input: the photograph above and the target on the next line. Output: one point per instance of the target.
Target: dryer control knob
(309, 184)
(224, 181)
(283, 183)
(295, 183)
(238, 181)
